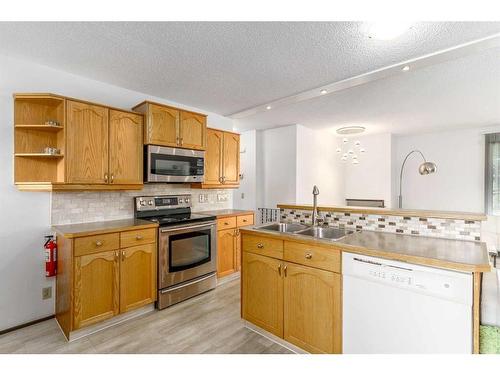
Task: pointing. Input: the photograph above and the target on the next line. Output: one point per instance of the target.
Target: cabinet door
(262, 292)
(226, 252)
(312, 310)
(231, 164)
(162, 126)
(86, 154)
(137, 276)
(193, 128)
(96, 292)
(238, 250)
(213, 157)
(125, 148)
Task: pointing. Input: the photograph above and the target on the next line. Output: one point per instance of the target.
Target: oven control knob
(186, 200)
(181, 200)
(150, 202)
(142, 203)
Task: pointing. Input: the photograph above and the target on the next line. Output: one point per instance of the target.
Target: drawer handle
(260, 245)
(244, 220)
(98, 243)
(309, 255)
(226, 223)
(138, 237)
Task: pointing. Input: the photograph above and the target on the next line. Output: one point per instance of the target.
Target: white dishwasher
(396, 307)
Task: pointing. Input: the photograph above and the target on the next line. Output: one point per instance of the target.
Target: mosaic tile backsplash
(89, 206)
(430, 227)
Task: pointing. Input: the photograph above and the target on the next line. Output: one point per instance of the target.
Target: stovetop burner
(168, 210)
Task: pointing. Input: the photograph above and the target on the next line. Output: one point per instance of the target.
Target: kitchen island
(292, 283)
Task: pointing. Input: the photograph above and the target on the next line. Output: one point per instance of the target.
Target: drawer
(263, 245)
(313, 256)
(137, 237)
(243, 220)
(226, 223)
(97, 243)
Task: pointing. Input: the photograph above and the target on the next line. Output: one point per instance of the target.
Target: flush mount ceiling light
(351, 130)
(387, 30)
(323, 92)
(405, 68)
(268, 107)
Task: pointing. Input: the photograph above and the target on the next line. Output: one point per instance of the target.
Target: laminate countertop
(226, 213)
(101, 227)
(467, 256)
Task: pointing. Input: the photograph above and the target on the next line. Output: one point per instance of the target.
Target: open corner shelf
(43, 127)
(38, 155)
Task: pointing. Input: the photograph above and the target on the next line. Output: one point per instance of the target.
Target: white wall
(458, 184)
(318, 164)
(26, 216)
(371, 178)
(246, 196)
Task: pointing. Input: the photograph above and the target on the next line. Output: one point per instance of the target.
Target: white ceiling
(459, 93)
(228, 67)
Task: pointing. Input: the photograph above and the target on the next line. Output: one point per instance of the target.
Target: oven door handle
(183, 228)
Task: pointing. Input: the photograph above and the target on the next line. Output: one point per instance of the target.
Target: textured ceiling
(228, 67)
(459, 93)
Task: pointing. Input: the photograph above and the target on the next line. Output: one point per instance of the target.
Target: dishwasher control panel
(428, 280)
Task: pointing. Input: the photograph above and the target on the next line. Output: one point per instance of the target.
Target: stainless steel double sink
(328, 233)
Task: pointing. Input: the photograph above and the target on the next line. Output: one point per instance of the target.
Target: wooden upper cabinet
(137, 276)
(231, 164)
(312, 309)
(86, 143)
(125, 148)
(192, 130)
(262, 292)
(213, 156)
(162, 126)
(96, 294)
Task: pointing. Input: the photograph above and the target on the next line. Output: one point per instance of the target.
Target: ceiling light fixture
(405, 68)
(388, 30)
(351, 130)
(268, 107)
(323, 92)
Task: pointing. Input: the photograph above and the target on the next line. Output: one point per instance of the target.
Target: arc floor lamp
(427, 167)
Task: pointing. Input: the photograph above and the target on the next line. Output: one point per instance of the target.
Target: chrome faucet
(315, 206)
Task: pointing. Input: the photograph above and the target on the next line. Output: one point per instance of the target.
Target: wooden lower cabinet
(96, 288)
(300, 304)
(226, 254)
(93, 285)
(137, 276)
(229, 242)
(312, 309)
(262, 292)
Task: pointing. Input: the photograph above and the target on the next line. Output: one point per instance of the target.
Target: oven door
(167, 164)
(186, 252)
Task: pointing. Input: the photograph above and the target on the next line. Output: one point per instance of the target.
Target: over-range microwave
(168, 164)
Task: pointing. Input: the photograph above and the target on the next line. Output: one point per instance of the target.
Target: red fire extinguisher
(50, 249)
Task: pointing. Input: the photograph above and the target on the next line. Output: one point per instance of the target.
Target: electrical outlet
(47, 292)
(242, 195)
(203, 198)
(221, 197)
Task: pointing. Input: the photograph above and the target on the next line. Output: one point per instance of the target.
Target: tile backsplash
(418, 226)
(89, 206)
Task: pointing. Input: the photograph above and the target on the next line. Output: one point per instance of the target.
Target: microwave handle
(190, 227)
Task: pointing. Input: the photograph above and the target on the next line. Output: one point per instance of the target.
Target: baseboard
(228, 278)
(30, 323)
(86, 331)
(275, 339)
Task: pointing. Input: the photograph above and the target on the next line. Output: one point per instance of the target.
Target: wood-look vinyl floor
(209, 323)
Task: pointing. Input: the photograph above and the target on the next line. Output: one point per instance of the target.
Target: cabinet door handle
(106, 178)
(309, 255)
(260, 246)
(116, 255)
(279, 269)
(98, 243)
(220, 180)
(182, 141)
(138, 237)
(112, 177)
(123, 255)
(284, 269)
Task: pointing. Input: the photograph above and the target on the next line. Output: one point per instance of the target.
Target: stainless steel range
(187, 248)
